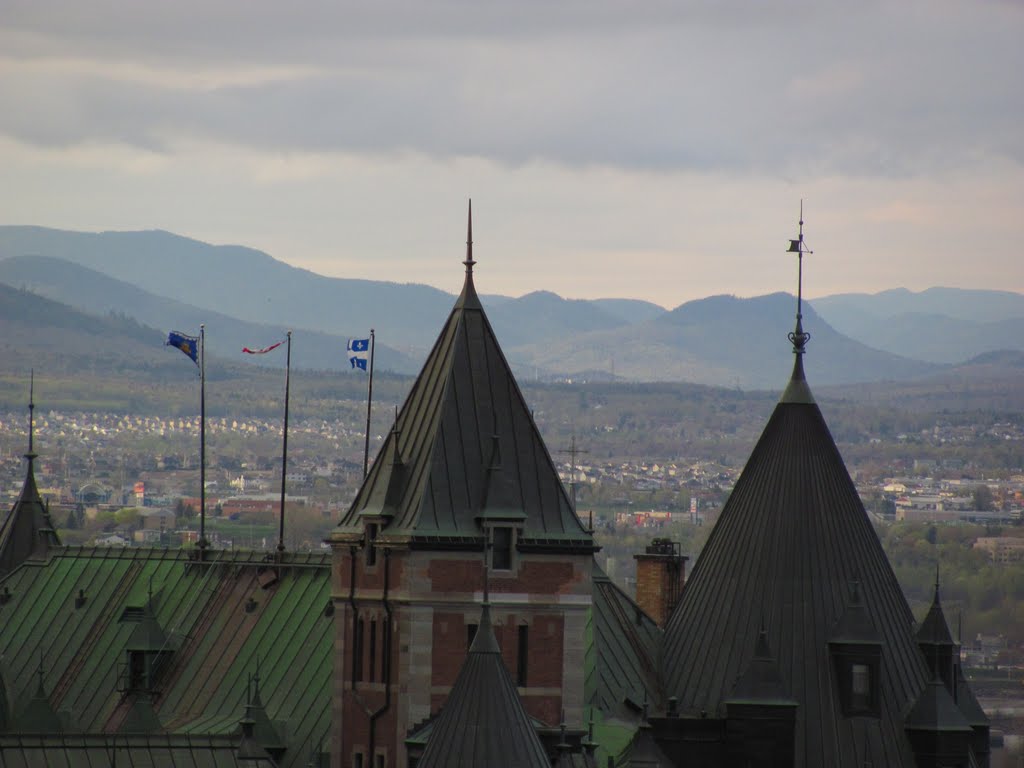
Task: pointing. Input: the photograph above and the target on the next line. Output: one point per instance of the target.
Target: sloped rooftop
(219, 622)
(623, 662)
(465, 448)
(27, 532)
(791, 539)
(483, 722)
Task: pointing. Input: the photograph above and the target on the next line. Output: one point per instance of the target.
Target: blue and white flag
(358, 353)
(187, 344)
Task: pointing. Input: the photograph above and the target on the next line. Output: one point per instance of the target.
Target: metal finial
(936, 581)
(487, 545)
(469, 242)
(798, 337)
(396, 459)
(31, 408)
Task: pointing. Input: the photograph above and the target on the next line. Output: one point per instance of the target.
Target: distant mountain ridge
(164, 280)
(939, 325)
(99, 294)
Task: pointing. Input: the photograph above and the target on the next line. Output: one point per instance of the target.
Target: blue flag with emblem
(358, 353)
(187, 344)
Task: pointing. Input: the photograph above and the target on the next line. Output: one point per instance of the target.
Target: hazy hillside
(246, 296)
(99, 294)
(726, 341)
(245, 283)
(541, 315)
(961, 303)
(942, 325)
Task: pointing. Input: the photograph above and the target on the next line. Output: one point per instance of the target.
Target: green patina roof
(465, 448)
(219, 623)
(622, 657)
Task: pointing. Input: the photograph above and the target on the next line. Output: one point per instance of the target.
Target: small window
(357, 760)
(501, 552)
(470, 634)
(373, 650)
(380, 761)
(137, 671)
(357, 653)
(522, 655)
(371, 544)
(860, 686)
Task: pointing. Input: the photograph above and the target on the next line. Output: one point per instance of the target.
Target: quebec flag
(358, 352)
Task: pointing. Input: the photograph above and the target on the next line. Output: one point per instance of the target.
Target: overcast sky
(654, 150)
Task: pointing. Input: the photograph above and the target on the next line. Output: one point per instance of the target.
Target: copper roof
(219, 622)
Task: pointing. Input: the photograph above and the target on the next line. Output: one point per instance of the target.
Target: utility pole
(573, 452)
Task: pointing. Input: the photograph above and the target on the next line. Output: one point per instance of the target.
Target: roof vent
(133, 613)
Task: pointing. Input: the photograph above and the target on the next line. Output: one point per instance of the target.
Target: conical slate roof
(761, 683)
(791, 538)
(935, 710)
(967, 703)
(465, 447)
(934, 630)
(27, 533)
(483, 721)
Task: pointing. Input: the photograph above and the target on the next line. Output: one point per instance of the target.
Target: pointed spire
(27, 532)
(469, 242)
(799, 337)
(797, 391)
(31, 409)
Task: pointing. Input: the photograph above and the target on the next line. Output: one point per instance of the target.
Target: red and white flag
(262, 351)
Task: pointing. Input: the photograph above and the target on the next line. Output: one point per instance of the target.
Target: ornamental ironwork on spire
(799, 337)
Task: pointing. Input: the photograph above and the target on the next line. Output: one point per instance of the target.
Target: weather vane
(799, 337)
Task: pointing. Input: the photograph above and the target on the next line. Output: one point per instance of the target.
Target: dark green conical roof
(483, 722)
(791, 538)
(27, 533)
(465, 448)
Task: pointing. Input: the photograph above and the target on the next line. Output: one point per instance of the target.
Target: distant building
(1002, 549)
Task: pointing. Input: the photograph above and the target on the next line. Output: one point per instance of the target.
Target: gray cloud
(868, 89)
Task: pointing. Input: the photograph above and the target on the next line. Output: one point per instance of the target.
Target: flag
(358, 352)
(262, 351)
(187, 344)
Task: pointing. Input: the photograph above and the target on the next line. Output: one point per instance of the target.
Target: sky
(656, 150)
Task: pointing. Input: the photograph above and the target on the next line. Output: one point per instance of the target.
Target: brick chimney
(660, 573)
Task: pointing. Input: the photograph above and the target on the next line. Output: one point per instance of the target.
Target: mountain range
(247, 298)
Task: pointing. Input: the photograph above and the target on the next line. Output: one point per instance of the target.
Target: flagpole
(202, 440)
(369, 404)
(284, 449)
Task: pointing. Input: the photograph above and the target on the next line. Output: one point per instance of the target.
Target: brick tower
(463, 489)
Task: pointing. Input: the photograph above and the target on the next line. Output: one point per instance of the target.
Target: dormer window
(371, 543)
(502, 548)
(860, 686)
(856, 651)
(857, 672)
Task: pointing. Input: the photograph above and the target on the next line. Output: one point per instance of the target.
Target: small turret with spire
(27, 533)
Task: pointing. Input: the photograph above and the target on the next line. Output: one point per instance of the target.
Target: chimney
(660, 573)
